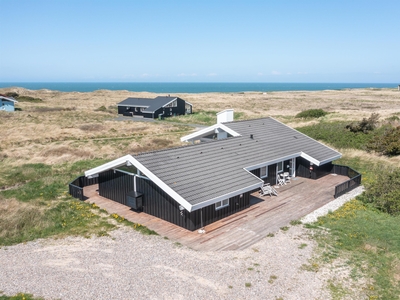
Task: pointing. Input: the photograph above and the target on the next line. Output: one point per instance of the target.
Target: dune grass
(366, 240)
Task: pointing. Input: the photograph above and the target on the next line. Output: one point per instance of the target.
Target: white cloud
(260, 74)
(275, 73)
(187, 75)
(145, 75)
(212, 74)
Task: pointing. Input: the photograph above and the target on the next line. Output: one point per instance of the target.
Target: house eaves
(8, 99)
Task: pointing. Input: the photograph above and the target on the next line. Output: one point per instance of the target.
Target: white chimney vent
(225, 116)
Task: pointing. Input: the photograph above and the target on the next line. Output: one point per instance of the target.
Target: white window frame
(265, 173)
(142, 108)
(221, 204)
(277, 167)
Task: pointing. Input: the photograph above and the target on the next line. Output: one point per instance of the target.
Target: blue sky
(200, 41)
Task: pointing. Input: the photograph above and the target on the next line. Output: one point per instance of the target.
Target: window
(280, 166)
(264, 172)
(142, 108)
(136, 109)
(221, 204)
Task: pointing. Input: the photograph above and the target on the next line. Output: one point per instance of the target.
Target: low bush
(366, 125)
(336, 134)
(311, 114)
(383, 192)
(388, 143)
(20, 98)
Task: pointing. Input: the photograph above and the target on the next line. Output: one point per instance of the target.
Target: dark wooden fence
(76, 186)
(347, 186)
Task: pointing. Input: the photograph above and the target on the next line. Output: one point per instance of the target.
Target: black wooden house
(159, 107)
(195, 185)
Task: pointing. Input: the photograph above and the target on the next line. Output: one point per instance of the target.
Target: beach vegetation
(23, 98)
(387, 143)
(383, 140)
(311, 114)
(34, 203)
(365, 125)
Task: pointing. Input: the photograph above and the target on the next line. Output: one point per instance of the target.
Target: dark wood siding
(321, 171)
(115, 186)
(303, 168)
(256, 172)
(158, 203)
(271, 179)
(210, 215)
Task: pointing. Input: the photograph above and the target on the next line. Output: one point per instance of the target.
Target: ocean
(192, 87)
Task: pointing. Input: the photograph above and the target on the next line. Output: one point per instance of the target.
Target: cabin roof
(151, 105)
(208, 172)
(202, 174)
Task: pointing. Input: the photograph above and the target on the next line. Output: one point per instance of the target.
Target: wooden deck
(241, 230)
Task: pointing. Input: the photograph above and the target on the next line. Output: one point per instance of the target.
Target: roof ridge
(186, 146)
(238, 121)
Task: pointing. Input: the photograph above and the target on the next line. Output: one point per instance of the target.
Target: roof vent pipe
(251, 136)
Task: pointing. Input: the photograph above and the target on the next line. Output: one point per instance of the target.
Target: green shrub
(12, 95)
(335, 133)
(311, 114)
(28, 99)
(365, 125)
(383, 192)
(388, 143)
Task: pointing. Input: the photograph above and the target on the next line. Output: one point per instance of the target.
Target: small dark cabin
(159, 107)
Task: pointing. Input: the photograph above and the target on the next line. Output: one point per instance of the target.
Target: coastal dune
(70, 126)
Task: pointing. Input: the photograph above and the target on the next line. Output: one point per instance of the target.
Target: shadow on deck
(241, 230)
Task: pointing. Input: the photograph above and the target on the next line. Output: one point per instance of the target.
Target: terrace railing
(76, 186)
(347, 186)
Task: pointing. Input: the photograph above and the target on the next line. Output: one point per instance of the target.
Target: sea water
(191, 87)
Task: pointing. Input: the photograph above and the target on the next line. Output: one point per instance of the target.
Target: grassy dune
(50, 141)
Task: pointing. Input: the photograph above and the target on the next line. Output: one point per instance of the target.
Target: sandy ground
(128, 265)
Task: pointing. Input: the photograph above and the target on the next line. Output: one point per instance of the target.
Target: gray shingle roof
(151, 104)
(201, 172)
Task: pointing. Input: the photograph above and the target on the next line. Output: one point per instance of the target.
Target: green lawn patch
(370, 241)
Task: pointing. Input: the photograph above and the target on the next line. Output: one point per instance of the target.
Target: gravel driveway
(128, 265)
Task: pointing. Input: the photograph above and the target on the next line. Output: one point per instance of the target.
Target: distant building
(159, 107)
(7, 103)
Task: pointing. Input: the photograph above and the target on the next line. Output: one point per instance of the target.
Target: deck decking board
(246, 227)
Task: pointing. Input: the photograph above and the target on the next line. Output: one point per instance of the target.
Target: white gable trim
(310, 159)
(210, 129)
(169, 102)
(130, 159)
